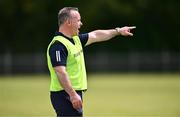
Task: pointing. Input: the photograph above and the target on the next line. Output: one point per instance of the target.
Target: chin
(75, 34)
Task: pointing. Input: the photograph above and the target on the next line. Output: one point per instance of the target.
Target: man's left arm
(104, 35)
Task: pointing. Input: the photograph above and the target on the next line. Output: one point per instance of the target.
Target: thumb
(130, 34)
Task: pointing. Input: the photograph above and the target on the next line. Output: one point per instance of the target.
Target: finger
(132, 27)
(75, 105)
(130, 34)
(80, 110)
(79, 105)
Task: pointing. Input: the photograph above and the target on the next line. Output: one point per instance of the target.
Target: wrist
(117, 30)
(72, 93)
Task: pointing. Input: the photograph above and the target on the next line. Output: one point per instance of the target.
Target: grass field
(118, 95)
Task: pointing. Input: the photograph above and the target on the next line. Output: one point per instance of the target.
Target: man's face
(75, 22)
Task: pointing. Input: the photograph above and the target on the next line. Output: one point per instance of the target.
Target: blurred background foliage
(27, 26)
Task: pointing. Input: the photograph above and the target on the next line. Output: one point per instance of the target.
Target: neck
(65, 31)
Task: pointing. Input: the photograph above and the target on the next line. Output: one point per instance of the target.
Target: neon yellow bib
(75, 65)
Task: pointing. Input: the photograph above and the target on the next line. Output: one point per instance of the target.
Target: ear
(68, 22)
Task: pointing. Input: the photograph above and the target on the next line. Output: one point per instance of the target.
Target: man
(66, 61)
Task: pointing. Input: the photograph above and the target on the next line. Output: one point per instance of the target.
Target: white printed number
(58, 58)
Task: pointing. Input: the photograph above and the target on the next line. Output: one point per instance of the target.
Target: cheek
(75, 24)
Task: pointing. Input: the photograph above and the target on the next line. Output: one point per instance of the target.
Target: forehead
(75, 14)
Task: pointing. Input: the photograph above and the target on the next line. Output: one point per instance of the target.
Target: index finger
(132, 27)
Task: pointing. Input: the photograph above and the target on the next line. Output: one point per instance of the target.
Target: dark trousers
(63, 106)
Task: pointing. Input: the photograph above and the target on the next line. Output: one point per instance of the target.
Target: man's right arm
(66, 84)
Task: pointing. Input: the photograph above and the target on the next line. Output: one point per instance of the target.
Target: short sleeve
(83, 38)
(58, 54)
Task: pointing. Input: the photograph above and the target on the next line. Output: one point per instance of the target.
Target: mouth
(78, 29)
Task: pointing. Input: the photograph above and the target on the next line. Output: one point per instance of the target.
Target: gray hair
(64, 14)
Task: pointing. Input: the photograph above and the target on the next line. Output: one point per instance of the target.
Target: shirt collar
(61, 34)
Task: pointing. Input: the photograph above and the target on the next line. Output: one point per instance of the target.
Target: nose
(81, 23)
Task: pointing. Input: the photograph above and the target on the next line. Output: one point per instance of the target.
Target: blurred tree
(29, 25)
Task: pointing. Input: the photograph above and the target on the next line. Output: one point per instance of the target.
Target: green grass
(108, 95)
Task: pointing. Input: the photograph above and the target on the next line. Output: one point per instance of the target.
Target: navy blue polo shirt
(58, 52)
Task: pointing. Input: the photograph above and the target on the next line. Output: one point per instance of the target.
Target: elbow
(60, 70)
